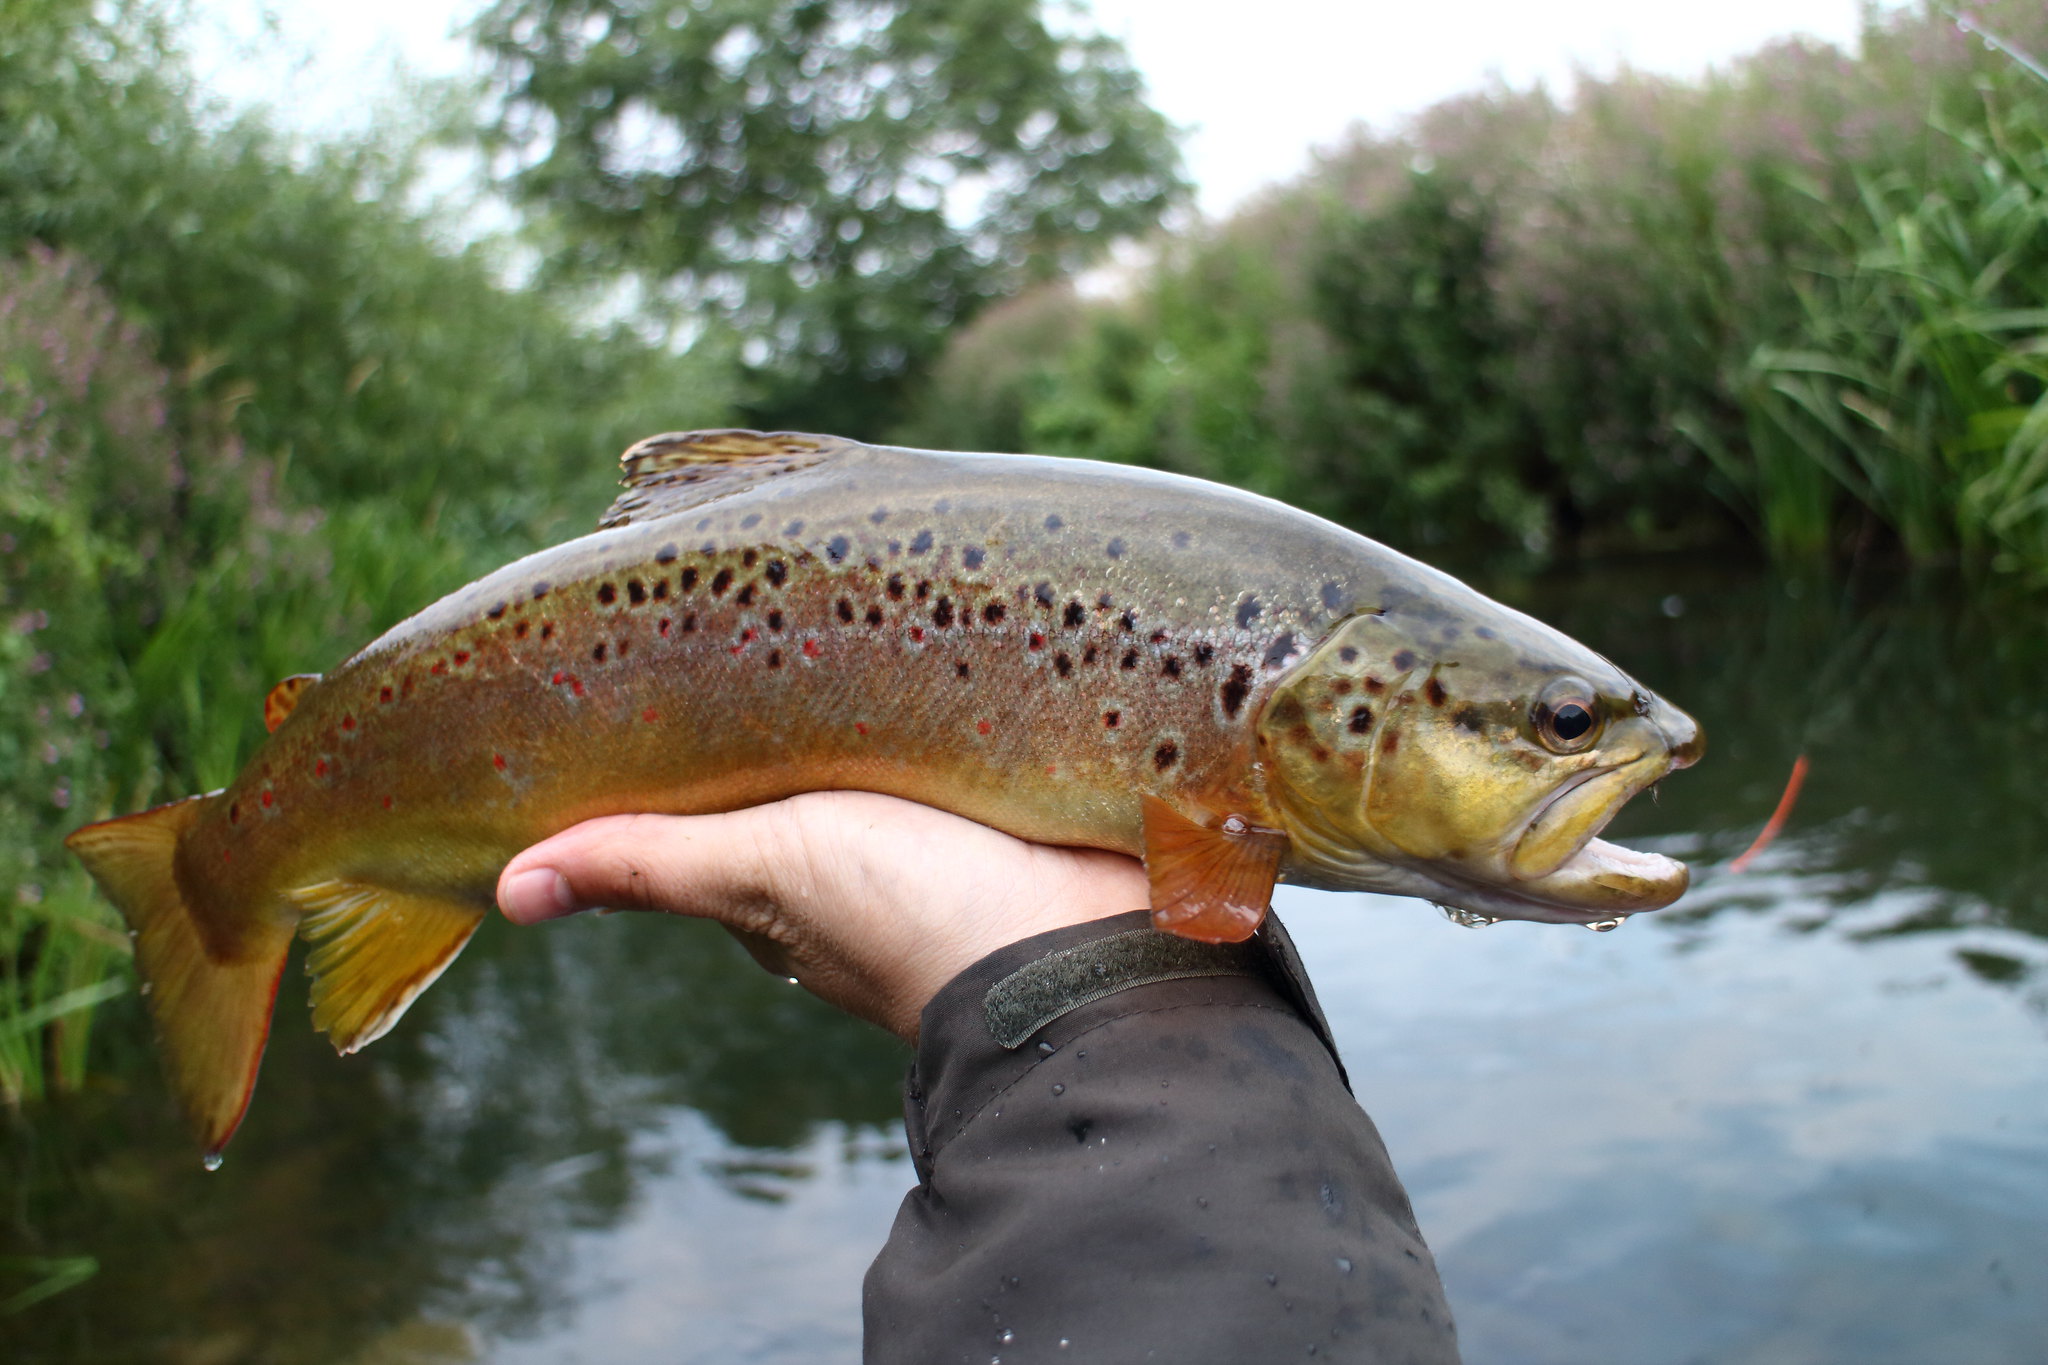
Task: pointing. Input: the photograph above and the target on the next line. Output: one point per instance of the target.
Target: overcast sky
(1257, 93)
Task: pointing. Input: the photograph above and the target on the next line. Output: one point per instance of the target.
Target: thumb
(707, 865)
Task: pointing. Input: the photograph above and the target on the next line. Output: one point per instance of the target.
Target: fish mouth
(1561, 871)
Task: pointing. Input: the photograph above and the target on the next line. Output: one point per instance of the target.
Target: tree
(837, 182)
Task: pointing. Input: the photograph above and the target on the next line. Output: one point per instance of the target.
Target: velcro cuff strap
(1039, 992)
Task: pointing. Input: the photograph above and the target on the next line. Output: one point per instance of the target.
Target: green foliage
(1797, 302)
(252, 411)
(837, 181)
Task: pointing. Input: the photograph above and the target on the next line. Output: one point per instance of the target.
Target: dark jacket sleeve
(1171, 1171)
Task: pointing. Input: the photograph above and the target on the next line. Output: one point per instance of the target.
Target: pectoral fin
(1212, 885)
(374, 951)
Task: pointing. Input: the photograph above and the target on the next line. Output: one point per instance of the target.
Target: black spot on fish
(845, 610)
(1165, 756)
(745, 596)
(597, 652)
(1112, 719)
(1171, 668)
(666, 554)
(1248, 612)
(709, 547)
(720, 581)
(1064, 664)
(1235, 688)
(1468, 718)
(1434, 690)
(895, 548)
(1182, 539)
(879, 515)
(795, 528)
(750, 559)
(775, 620)
(895, 587)
(1053, 522)
(705, 524)
(495, 612)
(1361, 719)
(874, 616)
(775, 658)
(1485, 633)
(1158, 637)
(920, 542)
(1043, 592)
(750, 521)
(960, 670)
(1204, 653)
(1391, 742)
(924, 589)
(1347, 654)
(689, 579)
(661, 590)
(777, 572)
(689, 623)
(1129, 620)
(1130, 659)
(1404, 660)
(1074, 615)
(972, 556)
(1277, 652)
(837, 548)
(1088, 655)
(1335, 599)
(1104, 602)
(942, 612)
(636, 591)
(607, 594)
(1115, 548)
(540, 589)
(1375, 686)
(993, 612)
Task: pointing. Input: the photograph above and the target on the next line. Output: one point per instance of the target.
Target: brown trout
(1076, 653)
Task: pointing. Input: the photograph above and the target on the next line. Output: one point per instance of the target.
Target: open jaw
(1560, 871)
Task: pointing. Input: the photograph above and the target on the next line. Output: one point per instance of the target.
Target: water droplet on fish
(1602, 926)
(1059, 1090)
(1235, 825)
(1272, 1279)
(1064, 1343)
(1470, 919)
(1007, 1337)
(1344, 1264)
(792, 981)
(211, 1161)
(1201, 1202)
(1046, 1048)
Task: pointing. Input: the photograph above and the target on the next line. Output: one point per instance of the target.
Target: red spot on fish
(268, 800)
(383, 694)
(650, 715)
(663, 627)
(461, 657)
(227, 855)
(498, 762)
(576, 686)
(860, 727)
(983, 726)
(348, 722)
(438, 668)
(559, 678)
(1037, 640)
(811, 650)
(917, 634)
(1051, 769)
(387, 803)
(320, 768)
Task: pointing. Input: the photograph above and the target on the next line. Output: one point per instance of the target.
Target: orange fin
(284, 697)
(681, 469)
(1209, 884)
(212, 1015)
(374, 951)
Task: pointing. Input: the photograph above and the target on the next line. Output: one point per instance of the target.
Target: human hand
(870, 902)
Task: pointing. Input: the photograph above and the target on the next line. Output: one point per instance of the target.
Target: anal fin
(374, 951)
(1212, 885)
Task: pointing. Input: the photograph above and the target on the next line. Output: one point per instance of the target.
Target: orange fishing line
(1778, 816)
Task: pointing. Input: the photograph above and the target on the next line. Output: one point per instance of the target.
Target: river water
(1803, 1116)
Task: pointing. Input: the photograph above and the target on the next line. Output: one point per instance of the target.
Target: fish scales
(1076, 653)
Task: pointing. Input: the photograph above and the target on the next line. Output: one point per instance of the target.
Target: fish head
(1472, 760)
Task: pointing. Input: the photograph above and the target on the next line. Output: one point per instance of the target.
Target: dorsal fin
(679, 469)
(284, 697)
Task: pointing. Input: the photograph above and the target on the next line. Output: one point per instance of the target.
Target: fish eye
(1566, 718)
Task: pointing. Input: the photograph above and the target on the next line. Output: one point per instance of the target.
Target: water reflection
(1800, 1117)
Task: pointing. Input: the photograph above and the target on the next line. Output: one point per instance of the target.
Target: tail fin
(212, 1016)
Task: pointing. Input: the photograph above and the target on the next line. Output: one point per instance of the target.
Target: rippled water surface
(1801, 1117)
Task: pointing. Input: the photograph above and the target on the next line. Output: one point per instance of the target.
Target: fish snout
(1682, 735)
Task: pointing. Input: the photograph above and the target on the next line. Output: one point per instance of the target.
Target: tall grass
(1795, 303)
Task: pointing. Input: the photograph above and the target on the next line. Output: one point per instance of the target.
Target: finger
(697, 865)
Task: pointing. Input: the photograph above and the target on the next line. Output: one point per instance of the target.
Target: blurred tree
(836, 181)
